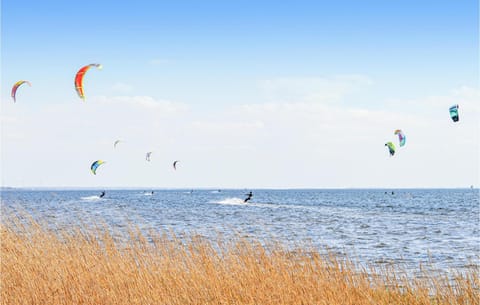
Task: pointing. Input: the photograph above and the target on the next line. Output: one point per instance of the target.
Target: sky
(246, 94)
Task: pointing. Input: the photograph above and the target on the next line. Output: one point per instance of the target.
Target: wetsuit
(248, 198)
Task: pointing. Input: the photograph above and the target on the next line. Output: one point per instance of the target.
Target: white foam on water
(231, 201)
(90, 198)
(270, 205)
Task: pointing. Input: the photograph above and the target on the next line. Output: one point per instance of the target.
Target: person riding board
(102, 194)
(249, 196)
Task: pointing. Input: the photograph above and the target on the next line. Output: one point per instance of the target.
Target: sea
(405, 228)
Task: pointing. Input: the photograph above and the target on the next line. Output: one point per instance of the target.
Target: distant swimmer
(249, 196)
(102, 194)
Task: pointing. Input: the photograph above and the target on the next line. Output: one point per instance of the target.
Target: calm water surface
(409, 227)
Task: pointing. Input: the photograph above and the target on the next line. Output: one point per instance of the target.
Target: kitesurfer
(249, 196)
(102, 194)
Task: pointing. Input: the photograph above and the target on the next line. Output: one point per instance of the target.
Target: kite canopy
(175, 165)
(454, 113)
(116, 142)
(95, 165)
(391, 148)
(15, 87)
(401, 137)
(79, 79)
(147, 157)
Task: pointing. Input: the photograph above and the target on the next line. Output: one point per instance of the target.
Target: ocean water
(406, 228)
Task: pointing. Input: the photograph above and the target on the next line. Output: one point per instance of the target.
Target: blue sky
(412, 47)
(215, 61)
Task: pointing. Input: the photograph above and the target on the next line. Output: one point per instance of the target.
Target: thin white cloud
(122, 87)
(467, 97)
(312, 89)
(10, 119)
(229, 128)
(147, 102)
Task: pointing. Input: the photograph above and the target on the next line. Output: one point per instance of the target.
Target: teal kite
(454, 113)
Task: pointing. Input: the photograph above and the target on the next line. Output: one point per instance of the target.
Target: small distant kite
(175, 165)
(401, 137)
(95, 165)
(116, 142)
(454, 113)
(79, 79)
(147, 157)
(15, 87)
(391, 148)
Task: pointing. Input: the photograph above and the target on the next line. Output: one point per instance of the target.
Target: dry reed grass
(85, 266)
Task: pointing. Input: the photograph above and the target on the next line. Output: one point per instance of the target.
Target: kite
(175, 165)
(116, 142)
(391, 148)
(15, 87)
(79, 79)
(95, 165)
(454, 113)
(147, 157)
(401, 137)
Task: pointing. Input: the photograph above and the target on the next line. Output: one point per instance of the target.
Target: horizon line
(221, 188)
